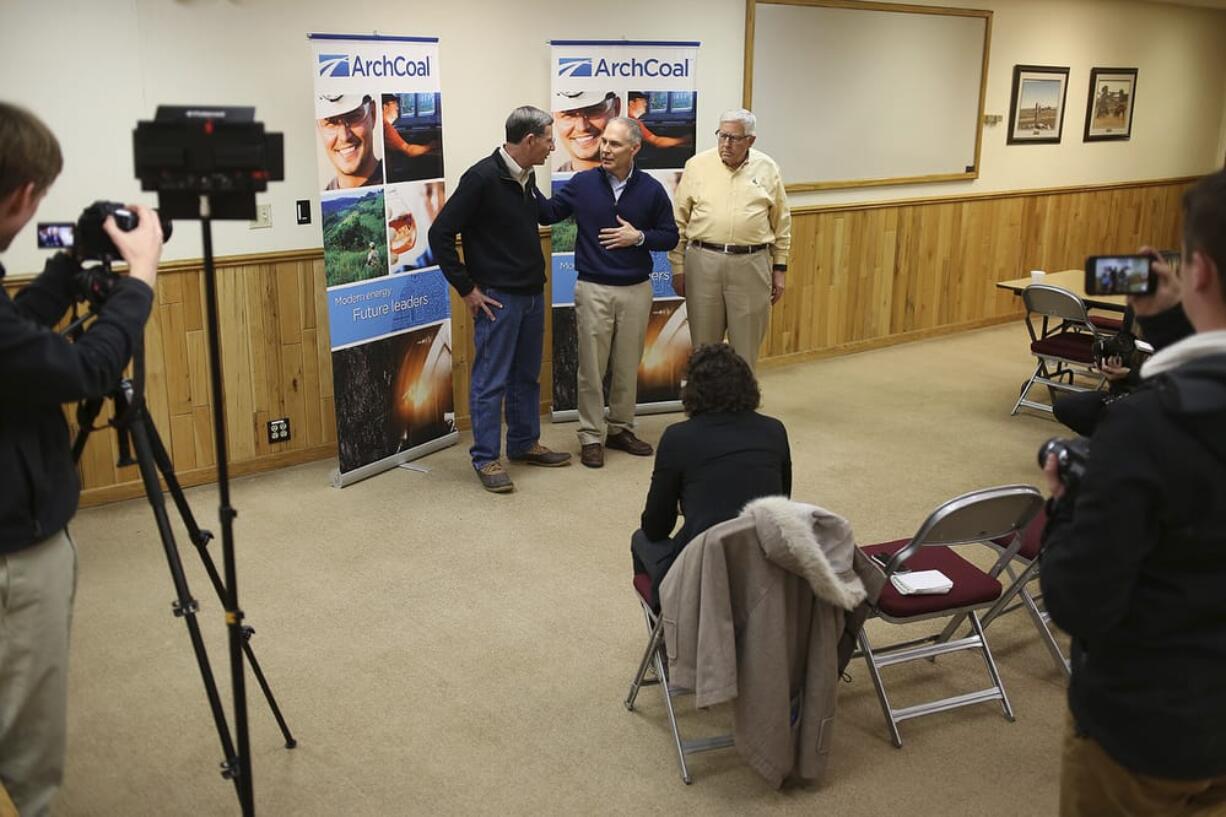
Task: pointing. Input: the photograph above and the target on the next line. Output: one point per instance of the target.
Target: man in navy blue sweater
(622, 214)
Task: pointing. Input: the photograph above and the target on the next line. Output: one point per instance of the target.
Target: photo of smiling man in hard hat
(579, 118)
(349, 130)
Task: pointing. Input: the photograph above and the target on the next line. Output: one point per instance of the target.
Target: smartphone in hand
(1120, 275)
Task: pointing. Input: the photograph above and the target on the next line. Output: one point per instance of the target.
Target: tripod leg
(201, 539)
(184, 606)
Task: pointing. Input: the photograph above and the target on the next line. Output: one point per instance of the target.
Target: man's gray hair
(526, 120)
(632, 128)
(743, 116)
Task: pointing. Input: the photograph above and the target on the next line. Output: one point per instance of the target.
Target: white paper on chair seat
(921, 582)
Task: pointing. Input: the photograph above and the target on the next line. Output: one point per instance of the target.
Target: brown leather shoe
(494, 478)
(592, 455)
(540, 455)
(626, 441)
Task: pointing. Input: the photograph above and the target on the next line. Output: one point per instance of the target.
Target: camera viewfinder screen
(1121, 275)
(55, 236)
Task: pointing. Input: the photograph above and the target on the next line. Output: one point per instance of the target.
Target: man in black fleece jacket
(1134, 561)
(39, 370)
(502, 281)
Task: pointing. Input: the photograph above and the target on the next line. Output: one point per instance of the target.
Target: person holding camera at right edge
(1134, 562)
(40, 370)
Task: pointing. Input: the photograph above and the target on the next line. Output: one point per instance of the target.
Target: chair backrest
(1045, 301)
(978, 516)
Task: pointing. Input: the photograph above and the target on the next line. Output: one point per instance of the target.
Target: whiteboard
(852, 94)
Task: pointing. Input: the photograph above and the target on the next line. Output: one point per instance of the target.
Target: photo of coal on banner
(355, 235)
(411, 209)
(397, 394)
(413, 136)
(350, 141)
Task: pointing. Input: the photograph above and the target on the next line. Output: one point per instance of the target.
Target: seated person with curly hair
(710, 465)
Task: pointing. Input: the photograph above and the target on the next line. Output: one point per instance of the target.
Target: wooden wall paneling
(861, 276)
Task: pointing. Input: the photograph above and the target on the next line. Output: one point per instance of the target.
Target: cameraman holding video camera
(39, 371)
(1134, 561)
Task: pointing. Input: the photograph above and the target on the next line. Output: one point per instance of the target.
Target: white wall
(92, 68)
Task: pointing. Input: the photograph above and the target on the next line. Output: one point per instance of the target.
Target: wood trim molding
(208, 474)
(999, 194)
(778, 361)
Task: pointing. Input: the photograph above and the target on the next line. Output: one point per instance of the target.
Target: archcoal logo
(334, 65)
(342, 65)
(634, 67)
(574, 66)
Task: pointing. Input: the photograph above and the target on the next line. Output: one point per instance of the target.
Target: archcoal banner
(379, 148)
(654, 83)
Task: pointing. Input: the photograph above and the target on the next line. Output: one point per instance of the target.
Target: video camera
(1072, 457)
(91, 243)
(1122, 345)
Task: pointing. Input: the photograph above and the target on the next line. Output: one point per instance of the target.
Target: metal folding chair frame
(1029, 602)
(653, 661)
(962, 520)
(1053, 371)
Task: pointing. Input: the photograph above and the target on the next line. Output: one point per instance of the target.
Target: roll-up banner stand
(379, 148)
(593, 81)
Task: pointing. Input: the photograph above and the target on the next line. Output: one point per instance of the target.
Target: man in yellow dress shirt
(736, 231)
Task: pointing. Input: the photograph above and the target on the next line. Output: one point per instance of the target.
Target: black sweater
(497, 217)
(40, 370)
(708, 468)
(1134, 567)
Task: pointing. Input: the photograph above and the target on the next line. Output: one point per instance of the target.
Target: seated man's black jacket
(1134, 568)
(39, 371)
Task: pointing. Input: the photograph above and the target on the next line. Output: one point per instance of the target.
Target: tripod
(133, 422)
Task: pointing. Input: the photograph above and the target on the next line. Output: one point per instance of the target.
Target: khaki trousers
(37, 586)
(728, 293)
(612, 325)
(1092, 784)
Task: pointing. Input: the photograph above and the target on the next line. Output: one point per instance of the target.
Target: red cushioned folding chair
(1062, 340)
(979, 516)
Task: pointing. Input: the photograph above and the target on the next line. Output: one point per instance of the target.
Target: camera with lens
(1072, 456)
(91, 243)
(1122, 345)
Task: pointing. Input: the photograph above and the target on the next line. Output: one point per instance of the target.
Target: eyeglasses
(348, 120)
(720, 136)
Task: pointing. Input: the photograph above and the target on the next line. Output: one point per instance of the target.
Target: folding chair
(1026, 556)
(979, 516)
(1062, 339)
(654, 661)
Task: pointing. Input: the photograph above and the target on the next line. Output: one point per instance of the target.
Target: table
(1073, 280)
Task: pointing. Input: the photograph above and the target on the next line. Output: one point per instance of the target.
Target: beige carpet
(440, 650)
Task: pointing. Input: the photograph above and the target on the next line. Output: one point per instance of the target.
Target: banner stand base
(340, 480)
(641, 410)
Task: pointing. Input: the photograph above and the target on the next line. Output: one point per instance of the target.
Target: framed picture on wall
(1036, 109)
(1109, 108)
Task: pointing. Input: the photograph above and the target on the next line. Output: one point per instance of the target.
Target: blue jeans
(507, 365)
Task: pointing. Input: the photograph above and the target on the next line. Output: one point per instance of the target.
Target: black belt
(731, 249)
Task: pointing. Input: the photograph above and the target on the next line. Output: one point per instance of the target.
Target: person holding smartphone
(1161, 321)
(40, 370)
(1134, 560)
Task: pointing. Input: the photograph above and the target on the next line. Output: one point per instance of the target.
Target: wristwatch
(779, 267)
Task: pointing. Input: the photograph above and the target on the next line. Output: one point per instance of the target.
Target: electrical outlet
(263, 217)
(278, 431)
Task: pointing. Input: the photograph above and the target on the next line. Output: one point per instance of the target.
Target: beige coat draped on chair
(760, 608)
